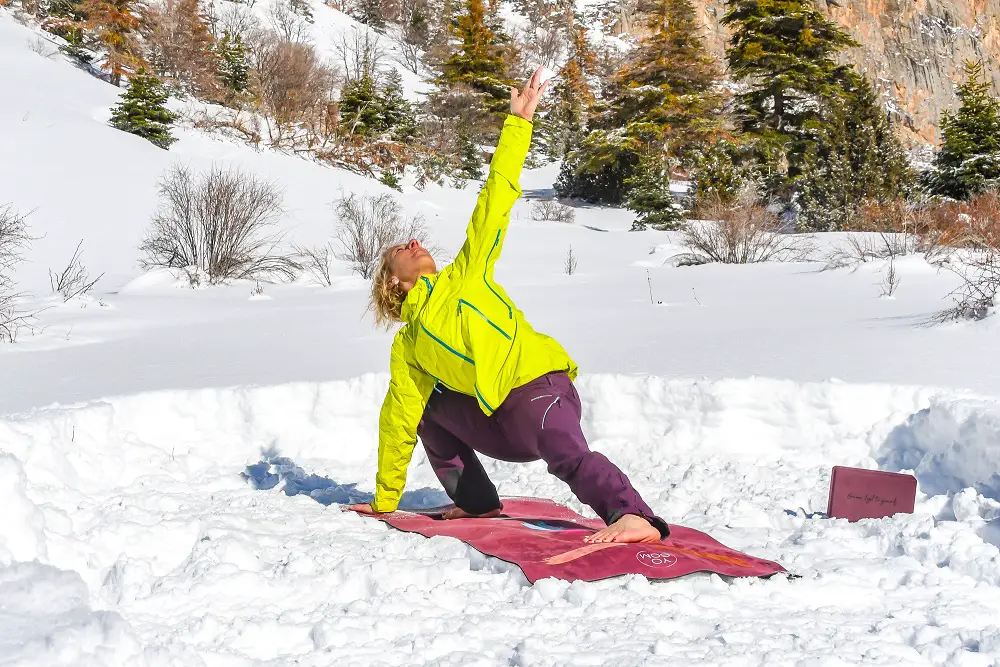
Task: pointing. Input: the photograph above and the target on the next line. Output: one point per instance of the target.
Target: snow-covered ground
(172, 461)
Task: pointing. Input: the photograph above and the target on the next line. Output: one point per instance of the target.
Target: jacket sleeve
(487, 229)
(409, 390)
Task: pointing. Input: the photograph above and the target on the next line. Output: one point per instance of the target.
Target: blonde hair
(386, 300)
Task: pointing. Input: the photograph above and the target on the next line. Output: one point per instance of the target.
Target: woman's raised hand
(523, 103)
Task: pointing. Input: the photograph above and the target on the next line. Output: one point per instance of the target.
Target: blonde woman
(469, 374)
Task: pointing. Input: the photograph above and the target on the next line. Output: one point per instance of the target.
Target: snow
(173, 460)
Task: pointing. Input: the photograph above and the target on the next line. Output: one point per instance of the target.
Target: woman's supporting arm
(402, 409)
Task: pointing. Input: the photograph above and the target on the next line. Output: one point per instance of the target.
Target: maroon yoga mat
(545, 539)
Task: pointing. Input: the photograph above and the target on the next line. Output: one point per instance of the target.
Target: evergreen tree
(650, 197)
(142, 110)
(470, 162)
(968, 161)
(852, 156)
(370, 109)
(560, 128)
(369, 12)
(784, 50)
(302, 8)
(479, 62)
(114, 23)
(399, 117)
(361, 106)
(234, 66)
(663, 103)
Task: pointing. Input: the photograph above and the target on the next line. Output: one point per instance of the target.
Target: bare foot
(456, 513)
(628, 528)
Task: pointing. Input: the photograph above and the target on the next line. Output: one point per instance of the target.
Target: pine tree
(115, 23)
(650, 197)
(851, 155)
(470, 163)
(968, 161)
(361, 106)
(784, 50)
(369, 12)
(662, 103)
(234, 66)
(479, 62)
(397, 112)
(560, 128)
(142, 110)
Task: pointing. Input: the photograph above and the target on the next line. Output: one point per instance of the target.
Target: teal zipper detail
(510, 311)
(446, 346)
(483, 399)
(430, 288)
(504, 333)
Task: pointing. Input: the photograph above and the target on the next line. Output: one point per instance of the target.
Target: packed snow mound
(205, 528)
(950, 445)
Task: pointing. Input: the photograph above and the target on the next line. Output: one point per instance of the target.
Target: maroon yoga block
(856, 493)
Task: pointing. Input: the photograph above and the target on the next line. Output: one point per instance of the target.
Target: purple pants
(538, 420)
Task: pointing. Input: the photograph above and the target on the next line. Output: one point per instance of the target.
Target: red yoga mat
(545, 539)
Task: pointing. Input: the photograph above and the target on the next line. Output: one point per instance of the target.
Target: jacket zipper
(446, 346)
(491, 323)
(510, 311)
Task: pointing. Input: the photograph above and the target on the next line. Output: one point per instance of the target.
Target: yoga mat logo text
(656, 559)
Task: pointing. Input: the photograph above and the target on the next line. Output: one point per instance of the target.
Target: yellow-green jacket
(461, 329)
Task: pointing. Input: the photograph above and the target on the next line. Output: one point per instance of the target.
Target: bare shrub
(890, 279)
(294, 88)
(236, 19)
(549, 210)
(360, 53)
(743, 232)
(569, 266)
(317, 263)
(289, 24)
(14, 239)
(368, 225)
(74, 280)
(219, 224)
(860, 248)
(978, 265)
(180, 46)
(43, 48)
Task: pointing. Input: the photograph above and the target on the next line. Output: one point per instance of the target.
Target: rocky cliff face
(912, 50)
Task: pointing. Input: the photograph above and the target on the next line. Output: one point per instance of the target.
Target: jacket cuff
(512, 149)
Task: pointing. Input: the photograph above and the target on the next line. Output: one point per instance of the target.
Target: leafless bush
(570, 264)
(368, 225)
(237, 20)
(294, 87)
(978, 265)
(743, 232)
(890, 279)
(74, 279)
(360, 53)
(860, 248)
(14, 239)
(43, 48)
(549, 210)
(218, 224)
(317, 263)
(291, 26)
(180, 46)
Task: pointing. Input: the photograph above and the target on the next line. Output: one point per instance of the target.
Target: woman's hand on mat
(628, 528)
(364, 508)
(523, 103)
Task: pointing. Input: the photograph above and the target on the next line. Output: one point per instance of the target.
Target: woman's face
(409, 261)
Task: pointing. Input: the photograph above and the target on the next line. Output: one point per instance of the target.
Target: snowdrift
(188, 527)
